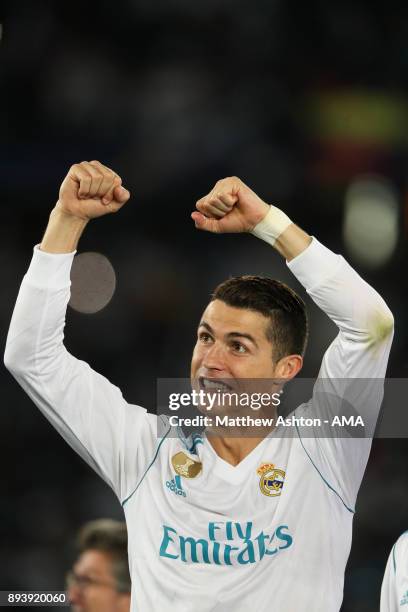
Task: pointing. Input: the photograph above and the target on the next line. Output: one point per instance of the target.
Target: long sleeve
(364, 320)
(394, 588)
(389, 594)
(88, 411)
(350, 380)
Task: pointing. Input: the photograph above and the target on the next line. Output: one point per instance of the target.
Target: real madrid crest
(272, 479)
(185, 466)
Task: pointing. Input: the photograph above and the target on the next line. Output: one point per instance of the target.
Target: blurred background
(308, 104)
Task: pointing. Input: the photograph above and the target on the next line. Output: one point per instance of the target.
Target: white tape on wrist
(272, 225)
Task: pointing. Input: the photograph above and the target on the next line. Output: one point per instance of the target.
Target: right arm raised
(83, 406)
(89, 190)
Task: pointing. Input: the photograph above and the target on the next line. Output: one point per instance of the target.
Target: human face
(91, 586)
(232, 344)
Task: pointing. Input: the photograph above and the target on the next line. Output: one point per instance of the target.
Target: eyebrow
(233, 334)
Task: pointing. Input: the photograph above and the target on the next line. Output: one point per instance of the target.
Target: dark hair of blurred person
(99, 580)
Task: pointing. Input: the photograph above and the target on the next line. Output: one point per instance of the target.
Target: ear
(288, 367)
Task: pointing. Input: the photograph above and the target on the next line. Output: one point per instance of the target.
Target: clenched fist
(91, 190)
(230, 207)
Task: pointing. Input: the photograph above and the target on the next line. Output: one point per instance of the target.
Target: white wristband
(272, 225)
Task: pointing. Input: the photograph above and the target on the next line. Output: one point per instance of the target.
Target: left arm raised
(365, 323)
(364, 320)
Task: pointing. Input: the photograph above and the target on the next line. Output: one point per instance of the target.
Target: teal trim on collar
(195, 438)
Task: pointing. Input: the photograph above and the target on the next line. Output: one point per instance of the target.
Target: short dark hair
(108, 536)
(288, 329)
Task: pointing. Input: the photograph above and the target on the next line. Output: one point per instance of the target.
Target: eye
(204, 338)
(238, 347)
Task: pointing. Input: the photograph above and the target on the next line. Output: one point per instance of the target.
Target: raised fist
(230, 207)
(91, 190)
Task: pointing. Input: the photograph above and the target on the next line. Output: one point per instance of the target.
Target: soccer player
(100, 580)
(394, 589)
(214, 523)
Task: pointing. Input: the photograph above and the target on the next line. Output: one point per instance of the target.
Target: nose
(214, 358)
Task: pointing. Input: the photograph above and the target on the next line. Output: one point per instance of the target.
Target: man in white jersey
(214, 524)
(394, 589)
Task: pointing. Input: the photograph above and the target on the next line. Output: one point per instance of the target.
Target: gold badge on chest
(272, 479)
(185, 466)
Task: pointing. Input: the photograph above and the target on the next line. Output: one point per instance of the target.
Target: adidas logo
(175, 485)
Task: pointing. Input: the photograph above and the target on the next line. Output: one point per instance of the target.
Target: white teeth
(213, 384)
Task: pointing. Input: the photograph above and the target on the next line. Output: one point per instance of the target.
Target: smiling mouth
(213, 384)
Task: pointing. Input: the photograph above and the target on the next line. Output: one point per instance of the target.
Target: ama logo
(175, 485)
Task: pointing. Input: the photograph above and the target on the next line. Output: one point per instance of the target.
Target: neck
(234, 441)
(233, 450)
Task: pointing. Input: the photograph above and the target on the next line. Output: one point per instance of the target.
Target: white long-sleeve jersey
(394, 589)
(227, 539)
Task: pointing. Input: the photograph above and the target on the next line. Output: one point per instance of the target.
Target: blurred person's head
(99, 580)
